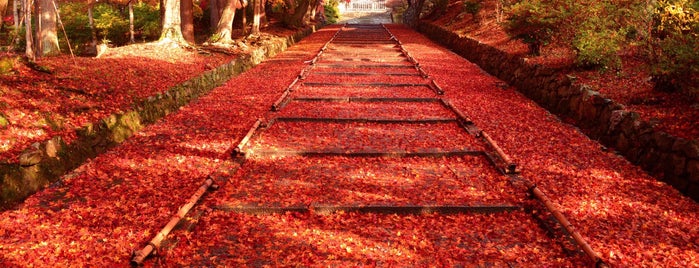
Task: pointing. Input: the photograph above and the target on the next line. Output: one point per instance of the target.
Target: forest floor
(74, 91)
(115, 203)
(674, 113)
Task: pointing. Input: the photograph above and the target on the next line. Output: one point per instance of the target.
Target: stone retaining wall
(45, 162)
(672, 159)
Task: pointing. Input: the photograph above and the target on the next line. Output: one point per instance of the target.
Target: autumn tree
(187, 17)
(172, 31)
(224, 28)
(214, 14)
(91, 22)
(131, 24)
(259, 13)
(29, 38)
(48, 36)
(3, 8)
(298, 13)
(411, 16)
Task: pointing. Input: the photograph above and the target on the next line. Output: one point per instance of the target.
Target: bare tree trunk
(49, 29)
(29, 48)
(15, 12)
(93, 33)
(411, 16)
(313, 9)
(258, 6)
(244, 4)
(225, 24)
(214, 14)
(162, 11)
(187, 16)
(132, 39)
(19, 23)
(3, 10)
(37, 34)
(172, 31)
(297, 18)
(263, 13)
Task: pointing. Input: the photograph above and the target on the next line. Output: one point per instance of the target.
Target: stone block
(54, 147)
(629, 123)
(693, 170)
(679, 183)
(663, 141)
(693, 191)
(31, 156)
(678, 163)
(692, 149)
(651, 160)
(622, 143)
(679, 145)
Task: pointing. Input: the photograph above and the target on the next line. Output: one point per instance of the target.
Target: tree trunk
(18, 11)
(172, 31)
(213, 14)
(187, 16)
(49, 29)
(296, 19)
(225, 24)
(131, 26)
(411, 16)
(263, 13)
(132, 33)
(91, 22)
(258, 6)
(37, 32)
(15, 13)
(244, 16)
(29, 48)
(162, 11)
(3, 10)
(314, 8)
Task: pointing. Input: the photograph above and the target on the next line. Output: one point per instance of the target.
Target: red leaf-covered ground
(630, 218)
(112, 205)
(675, 113)
(369, 110)
(83, 90)
(343, 181)
(382, 240)
(362, 137)
(117, 202)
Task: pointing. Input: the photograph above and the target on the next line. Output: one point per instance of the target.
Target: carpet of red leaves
(629, 217)
(82, 90)
(98, 214)
(116, 202)
(353, 239)
(674, 113)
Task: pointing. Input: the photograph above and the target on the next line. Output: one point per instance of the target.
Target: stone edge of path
(45, 162)
(669, 158)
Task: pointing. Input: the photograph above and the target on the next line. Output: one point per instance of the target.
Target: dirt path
(371, 168)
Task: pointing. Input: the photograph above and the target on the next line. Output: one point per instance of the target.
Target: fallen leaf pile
(629, 217)
(115, 203)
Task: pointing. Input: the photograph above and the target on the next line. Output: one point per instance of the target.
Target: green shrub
(675, 45)
(147, 20)
(534, 22)
(7, 64)
(597, 44)
(76, 23)
(472, 7)
(111, 25)
(332, 13)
